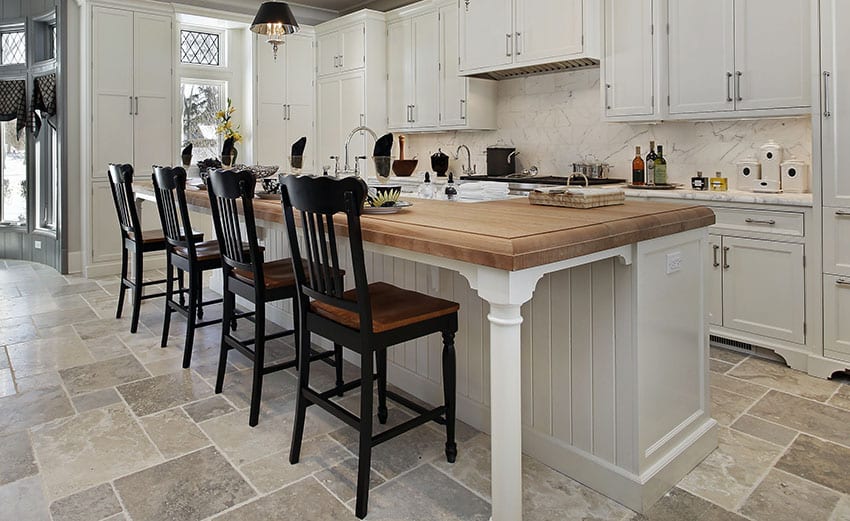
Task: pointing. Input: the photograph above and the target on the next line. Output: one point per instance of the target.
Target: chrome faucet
(468, 169)
(361, 128)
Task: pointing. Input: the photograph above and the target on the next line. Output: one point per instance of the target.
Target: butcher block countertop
(509, 234)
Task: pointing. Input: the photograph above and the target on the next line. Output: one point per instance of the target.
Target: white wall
(555, 120)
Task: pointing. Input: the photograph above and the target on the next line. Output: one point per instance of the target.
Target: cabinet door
(701, 55)
(105, 236)
(486, 34)
(152, 143)
(835, 86)
(628, 59)
(714, 281)
(763, 288)
(299, 123)
(271, 86)
(836, 309)
(112, 89)
(298, 70)
(328, 53)
(547, 29)
(352, 114)
(328, 122)
(272, 147)
(772, 53)
(836, 246)
(352, 49)
(453, 88)
(399, 74)
(426, 49)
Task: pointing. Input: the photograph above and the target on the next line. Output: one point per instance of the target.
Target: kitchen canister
(795, 176)
(749, 173)
(770, 157)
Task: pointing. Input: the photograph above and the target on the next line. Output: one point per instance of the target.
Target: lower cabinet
(836, 326)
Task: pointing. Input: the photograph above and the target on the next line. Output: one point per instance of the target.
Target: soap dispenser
(451, 191)
(426, 189)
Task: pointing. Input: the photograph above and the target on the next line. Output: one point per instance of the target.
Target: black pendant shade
(275, 20)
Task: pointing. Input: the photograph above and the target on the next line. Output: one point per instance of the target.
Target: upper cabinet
(424, 89)
(834, 102)
(628, 65)
(343, 50)
(737, 58)
(498, 35)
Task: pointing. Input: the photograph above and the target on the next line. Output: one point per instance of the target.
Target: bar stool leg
(228, 308)
(381, 358)
(302, 350)
(169, 296)
(200, 296)
(181, 285)
(259, 361)
(449, 391)
(122, 289)
(194, 288)
(338, 366)
(138, 279)
(365, 450)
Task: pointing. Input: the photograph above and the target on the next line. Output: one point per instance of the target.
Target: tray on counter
(577, 198)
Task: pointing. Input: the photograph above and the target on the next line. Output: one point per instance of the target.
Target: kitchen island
(602, 375)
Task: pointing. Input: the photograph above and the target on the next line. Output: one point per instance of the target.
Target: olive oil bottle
(650, 164)
(660, 167)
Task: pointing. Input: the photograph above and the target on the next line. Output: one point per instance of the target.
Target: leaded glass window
(200, 48)
(13, 47)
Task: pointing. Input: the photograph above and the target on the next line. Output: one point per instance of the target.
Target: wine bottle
(660, 167)
(650, 164)
(638, 171)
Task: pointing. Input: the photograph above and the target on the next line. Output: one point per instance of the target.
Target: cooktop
(542, 180)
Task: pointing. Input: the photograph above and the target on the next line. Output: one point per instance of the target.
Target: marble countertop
(731, 196)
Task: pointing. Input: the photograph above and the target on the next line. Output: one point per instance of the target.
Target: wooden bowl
(404, 167)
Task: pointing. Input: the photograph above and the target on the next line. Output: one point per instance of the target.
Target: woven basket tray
(582, 201)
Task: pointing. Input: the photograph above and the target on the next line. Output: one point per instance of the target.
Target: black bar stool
(368, 319)
(247, 275)
(187, 256)
(135, 241)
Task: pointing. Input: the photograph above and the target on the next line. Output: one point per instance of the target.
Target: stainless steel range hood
(528, 70)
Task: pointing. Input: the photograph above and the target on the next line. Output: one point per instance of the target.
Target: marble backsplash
(555, 120)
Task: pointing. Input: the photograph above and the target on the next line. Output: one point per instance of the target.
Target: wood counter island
(603, 375)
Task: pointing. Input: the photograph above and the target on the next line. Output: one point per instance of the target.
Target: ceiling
(310, 12)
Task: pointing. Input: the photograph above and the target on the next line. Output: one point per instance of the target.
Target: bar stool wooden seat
(188, 256)
(136, 242)
(368, 319)
(248, 276)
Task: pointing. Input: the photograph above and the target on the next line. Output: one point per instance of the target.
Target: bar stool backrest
(121, 183)
(317, 200)
(169, 186)
(227, 189)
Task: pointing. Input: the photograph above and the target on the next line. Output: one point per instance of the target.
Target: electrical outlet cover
(674, 262)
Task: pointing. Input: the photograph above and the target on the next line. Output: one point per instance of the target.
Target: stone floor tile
(16, 457)
(38, 381)
(33, 407)
(92, 504)
(173, 433)
(425, 493)
(727, 355)
(4, 359)
(79, 288)
(305, 500)
(100, 375)
(785, 497)
(819, 461)
(96, 399)
(823, 421)
(51, 354)
(158, 393)
(742, 387)
(676, 505)
(726, 406)
(106, 347)
(146, 346)
(341, 479)
(472, 467)
(718, 366)
(729, 473)
(238, 385)
(23, 500)
(94, 329)
(842, 511)
(192, 487)
(765, 430)
(274, 471)
(14, 330)
(781, 377)
(90, 448)
(841, 398)
(715, 513)
(63, 317)
(208, 408)
(7, 383)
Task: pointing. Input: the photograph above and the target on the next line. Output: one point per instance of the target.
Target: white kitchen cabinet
(739, 58)
(836, 246)
(498, 35)
(628, 65)
(836, 297)
(834, 102)
(285, 102)
(714, 282)
(399, 74)
(341, 108)
(343, 50)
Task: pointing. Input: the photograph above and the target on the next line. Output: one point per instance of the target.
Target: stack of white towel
(483, 190)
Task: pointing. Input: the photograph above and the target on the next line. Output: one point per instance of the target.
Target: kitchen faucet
(361, 128)
(468, 169)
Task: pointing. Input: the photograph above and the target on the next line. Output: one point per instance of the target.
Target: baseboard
(106, 269)
(75, 262)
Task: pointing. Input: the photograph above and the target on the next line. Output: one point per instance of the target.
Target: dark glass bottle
(660, 167)
(451, 191)
(650, 164)
(638, 171)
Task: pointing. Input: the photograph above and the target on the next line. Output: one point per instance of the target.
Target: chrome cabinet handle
(518, 43)
(738, 75)
(463, 109)
(842, 213)
(607, 103)
(726, 265)
(137, 105)
(716, 264)
(729, 87)
(362, 121)
(131, 105)
(341, 61)
(769, 222)
(843, 282)
(508, 45)
(826, 77)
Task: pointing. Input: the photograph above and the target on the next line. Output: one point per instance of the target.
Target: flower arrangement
(225, 123)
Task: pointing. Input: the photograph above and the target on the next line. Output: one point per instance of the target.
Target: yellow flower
(231, 110)
(219, 114)
(237, 137)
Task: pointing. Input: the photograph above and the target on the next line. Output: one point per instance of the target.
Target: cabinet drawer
(760, 221)
(836, 309)
(836, 247)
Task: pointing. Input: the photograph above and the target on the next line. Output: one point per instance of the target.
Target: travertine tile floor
(98, 424)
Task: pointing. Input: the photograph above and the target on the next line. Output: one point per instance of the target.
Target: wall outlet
(674, 262)
(36, 245)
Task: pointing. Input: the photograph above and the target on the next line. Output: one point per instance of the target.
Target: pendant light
(275, 20)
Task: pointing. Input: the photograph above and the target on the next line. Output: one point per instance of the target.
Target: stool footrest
(337, 410)
(389, 434)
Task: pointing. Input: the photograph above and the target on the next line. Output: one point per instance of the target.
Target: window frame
(223, 36)
(14, 26)
(223, 83)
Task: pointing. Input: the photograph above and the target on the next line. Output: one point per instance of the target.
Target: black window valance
(13, 102)
(43, 102)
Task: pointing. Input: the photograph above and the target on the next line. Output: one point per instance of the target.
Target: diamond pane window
(13, 47)
(200, 48)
